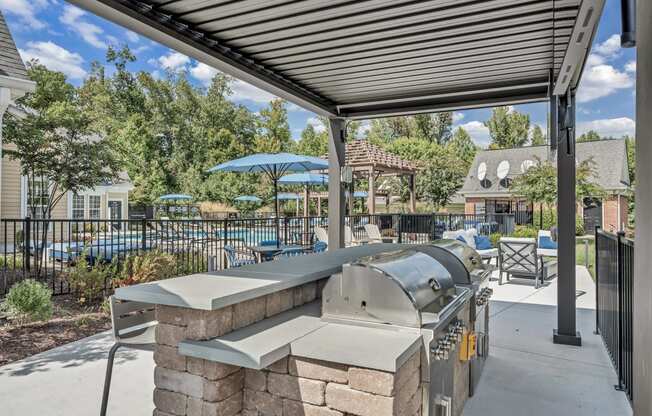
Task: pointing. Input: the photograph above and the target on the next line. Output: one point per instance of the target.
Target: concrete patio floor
(526, 374)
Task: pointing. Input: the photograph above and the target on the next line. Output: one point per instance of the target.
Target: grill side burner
(469, 271)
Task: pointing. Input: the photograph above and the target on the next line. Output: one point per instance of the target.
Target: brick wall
(302, 387)
(186, 386)
(615, 210)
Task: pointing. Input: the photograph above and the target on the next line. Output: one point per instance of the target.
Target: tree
(589, 136)
(443, 127)
(55, 144)
(440, 178)
(57, 150)
(462, 146)
(508, 128)
(425, 127)
(538, 138)
(539, 184)
(275, 130)
(312, 143)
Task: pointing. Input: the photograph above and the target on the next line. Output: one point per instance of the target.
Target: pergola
(368, 161)
(362, 59)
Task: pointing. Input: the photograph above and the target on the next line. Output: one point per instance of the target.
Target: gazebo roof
(362, 155)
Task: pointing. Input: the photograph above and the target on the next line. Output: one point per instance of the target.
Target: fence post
(285, 230)
(226, 242)
(27, 227)
(450, 221)
(143, 227)
(620, 291)
(597, 282)
(398, 228)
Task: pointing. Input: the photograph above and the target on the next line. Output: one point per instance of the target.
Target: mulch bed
(70, 322)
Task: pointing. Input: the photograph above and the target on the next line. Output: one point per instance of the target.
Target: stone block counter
(250, 342)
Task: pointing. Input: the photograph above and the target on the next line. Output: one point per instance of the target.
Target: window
(77, 207)
(94, 206)
(38, 196)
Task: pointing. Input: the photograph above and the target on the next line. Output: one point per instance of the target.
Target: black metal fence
(46, 250)
(614, 258)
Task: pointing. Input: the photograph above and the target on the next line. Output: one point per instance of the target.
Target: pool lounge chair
(375, 236)
(237, 258)
(321, 234)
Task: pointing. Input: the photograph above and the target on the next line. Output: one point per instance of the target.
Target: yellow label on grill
(468, 346)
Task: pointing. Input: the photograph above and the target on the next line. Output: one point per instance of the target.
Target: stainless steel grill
(411, 288)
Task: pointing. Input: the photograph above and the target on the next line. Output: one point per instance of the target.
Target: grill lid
(420, 276)
(404, 287)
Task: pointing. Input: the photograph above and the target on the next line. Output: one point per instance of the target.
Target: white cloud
(615, 127)
(26, 11)
(72, 17)
(203, 73)
(295, 108)
(457, 117)
(630, 66)
(602, 80)
(317, 124)
(173, 61)
(244, 91)
(478, 132)
(610, 47)
(131, 36)
(55, 57)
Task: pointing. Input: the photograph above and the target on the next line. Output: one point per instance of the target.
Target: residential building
(486, 190)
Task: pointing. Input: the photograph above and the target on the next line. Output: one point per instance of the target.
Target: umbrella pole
(278, 228)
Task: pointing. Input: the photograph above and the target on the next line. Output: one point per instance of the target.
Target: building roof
(610, 157)
(361, 59)
(11, 64)
(362, 155)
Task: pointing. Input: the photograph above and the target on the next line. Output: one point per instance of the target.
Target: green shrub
(524, 231)
(147, 267)
(11, 262)
(88, 280)
(549, 219)
(494, 238)
(579, 225)
(29, 301)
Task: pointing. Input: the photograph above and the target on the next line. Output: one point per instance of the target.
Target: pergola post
(643, 239)
(351, 196)
(371, 197)
(319, 205)
(413, 193)
(564, 133)
(306, 201)
(336, 200)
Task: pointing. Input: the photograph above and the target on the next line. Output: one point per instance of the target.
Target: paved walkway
(67, 381)
(526, 374)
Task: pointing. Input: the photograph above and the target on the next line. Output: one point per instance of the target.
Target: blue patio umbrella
(248, 198)
(306, 179)
(274, 165)
(288, 196)
(175, 197)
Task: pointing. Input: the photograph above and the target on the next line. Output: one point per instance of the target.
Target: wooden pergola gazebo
(368, 161)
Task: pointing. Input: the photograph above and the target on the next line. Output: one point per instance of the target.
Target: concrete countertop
(300, 332)
(215, 290)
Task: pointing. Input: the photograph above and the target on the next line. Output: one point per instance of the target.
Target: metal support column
(642, 394)
(336, 200)
(566, 332)
(413, 193)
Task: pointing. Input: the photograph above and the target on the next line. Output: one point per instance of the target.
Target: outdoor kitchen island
(256, 340)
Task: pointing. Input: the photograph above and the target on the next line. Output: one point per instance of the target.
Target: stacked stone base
(187, 386)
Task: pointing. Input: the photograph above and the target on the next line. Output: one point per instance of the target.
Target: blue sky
(68, 39)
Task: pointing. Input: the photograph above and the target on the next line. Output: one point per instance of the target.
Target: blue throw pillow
(482, 242)
(547, 243)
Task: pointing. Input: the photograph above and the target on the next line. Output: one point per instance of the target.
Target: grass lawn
(580, 256)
